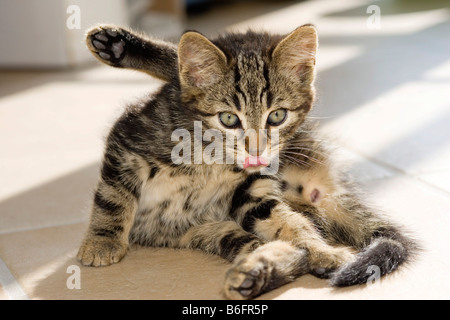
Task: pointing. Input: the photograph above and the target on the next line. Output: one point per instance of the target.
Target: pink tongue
(252, 161)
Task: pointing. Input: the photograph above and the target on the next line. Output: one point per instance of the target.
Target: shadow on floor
(62, 201)
(154, 274)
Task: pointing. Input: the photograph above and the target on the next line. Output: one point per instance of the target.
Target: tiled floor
(384, 96)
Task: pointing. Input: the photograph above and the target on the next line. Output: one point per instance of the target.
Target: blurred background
(47, 33)
(383, 97)
(55, 29)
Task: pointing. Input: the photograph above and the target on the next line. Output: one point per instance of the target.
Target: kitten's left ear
(295, 55)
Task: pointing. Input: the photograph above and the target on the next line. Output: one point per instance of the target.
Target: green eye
(277, 117)
(229, 120)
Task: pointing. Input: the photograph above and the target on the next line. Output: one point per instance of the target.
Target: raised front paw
(246, 279)
(108, 44)
(101, 251)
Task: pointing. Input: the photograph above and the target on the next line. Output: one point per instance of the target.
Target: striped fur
(307, 218)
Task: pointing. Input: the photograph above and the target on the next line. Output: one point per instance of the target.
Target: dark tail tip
(382, 256)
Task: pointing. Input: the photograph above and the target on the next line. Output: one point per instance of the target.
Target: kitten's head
(255, 86)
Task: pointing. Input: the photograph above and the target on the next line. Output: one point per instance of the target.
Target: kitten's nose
(255, 143)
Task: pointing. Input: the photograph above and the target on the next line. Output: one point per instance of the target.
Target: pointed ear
(295, 55)
(200, 62)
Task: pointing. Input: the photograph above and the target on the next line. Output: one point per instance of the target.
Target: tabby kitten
(305, 217)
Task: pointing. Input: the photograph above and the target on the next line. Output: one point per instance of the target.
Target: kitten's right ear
(200, 62)
(295, 55)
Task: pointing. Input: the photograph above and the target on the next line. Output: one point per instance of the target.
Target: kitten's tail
(383, 255)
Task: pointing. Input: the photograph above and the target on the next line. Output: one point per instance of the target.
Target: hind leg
(268, 267)
(257, 266)
(336, 209)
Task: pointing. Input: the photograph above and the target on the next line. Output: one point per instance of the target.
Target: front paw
(246, 279)
(268, 267)
(101, 251)
(108, 44)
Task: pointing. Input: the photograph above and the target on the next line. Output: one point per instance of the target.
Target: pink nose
(252, 161)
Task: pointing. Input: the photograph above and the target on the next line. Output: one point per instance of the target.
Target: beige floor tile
(145, 273)
(3, 295)
(414, 204)
(396, 130)
(360, 168)
(62, 201)
(440, 179)
(9, 287)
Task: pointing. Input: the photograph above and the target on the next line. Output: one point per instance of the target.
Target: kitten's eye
(229, 120)
(277, 117)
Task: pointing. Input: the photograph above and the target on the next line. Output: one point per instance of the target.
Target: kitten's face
(256, 88)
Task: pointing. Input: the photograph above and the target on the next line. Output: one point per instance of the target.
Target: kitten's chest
(197, 197)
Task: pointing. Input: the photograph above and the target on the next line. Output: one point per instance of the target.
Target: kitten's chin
(251, 170)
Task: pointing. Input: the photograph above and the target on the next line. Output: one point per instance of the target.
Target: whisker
(298, 161)
(307, 140)
(310, 150)
(321, 117)
(301, 147)
(308, 157)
